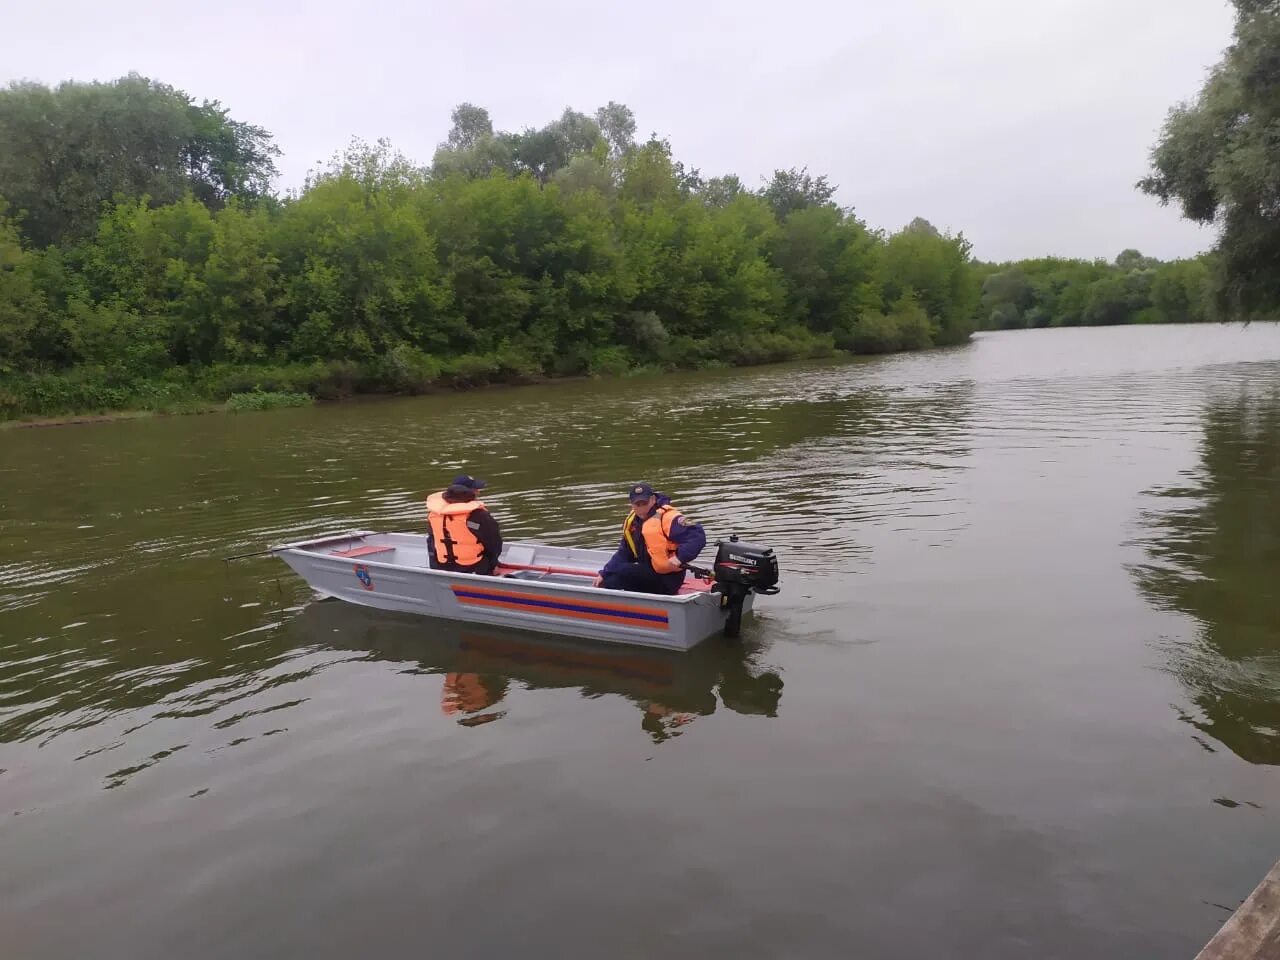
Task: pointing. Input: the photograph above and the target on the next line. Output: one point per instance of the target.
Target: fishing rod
(246, 556)
(319, 542)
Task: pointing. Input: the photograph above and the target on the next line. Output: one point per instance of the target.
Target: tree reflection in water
(1213, 553)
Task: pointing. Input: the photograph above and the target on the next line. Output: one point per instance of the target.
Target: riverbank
(93, 396)
(37, 422)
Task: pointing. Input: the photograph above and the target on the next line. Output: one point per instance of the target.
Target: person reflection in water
(471, 693)
(663, 723)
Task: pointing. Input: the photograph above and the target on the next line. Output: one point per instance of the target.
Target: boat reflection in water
(479, 664)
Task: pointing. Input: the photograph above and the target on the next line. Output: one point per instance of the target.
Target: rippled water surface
(1020, 695)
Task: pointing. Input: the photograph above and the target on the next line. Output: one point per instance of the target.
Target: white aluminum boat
(537, 587)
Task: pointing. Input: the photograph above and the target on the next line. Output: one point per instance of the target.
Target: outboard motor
(742, 568)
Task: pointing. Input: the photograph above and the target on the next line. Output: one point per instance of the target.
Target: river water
(1020, 695)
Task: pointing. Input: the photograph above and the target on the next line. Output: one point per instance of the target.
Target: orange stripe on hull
(575, 614)
(549, 598)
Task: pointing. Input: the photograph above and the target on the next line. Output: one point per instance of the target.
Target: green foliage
(1181, 292)
(472, 149)
(325, 380)
(472, 370)
(789, 191)
(406, 369)
(772, 346)
(830, 267)
(25, 320)
(263, 400)
(359, 265)
(906, 327)
(542, 152)
(70, 149)
(618, 127)
(1133, 289)
(936, 269)
(915, 330)
(471, 124)
(565, 250)
(609, 361)
(1007, 297)
(1218, 158)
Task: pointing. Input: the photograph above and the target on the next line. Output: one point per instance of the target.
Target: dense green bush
(265, 400)
(1065, 293)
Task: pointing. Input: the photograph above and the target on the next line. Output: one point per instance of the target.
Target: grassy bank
(87, 393)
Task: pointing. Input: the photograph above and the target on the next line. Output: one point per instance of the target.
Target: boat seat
(574, 578)
(543, 577)
(362, 551)
(692, 585)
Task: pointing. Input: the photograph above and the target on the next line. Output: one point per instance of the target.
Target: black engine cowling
(742, 568)
(746, 564)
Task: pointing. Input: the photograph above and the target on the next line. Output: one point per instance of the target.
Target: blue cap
(468, 481)
(640, 491)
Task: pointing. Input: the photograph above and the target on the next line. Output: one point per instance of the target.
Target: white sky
(1024, 124)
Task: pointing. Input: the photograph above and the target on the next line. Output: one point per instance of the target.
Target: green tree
(1131, 259)
(238, 317)
(70, 149)
(360, 261)
(791, 190)
(1119, 298)
(586, 172)
(1218, 158)
(618, 127)
(472, 149)
(830, 266)
(471, 124)
(935, 267)
(905, 326)
(721, 191)
(1179, 291)
(544, 151)
(1007, 299)
(25, 319)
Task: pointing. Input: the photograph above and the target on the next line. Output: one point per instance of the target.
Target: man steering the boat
(462, 535)
(657, 542)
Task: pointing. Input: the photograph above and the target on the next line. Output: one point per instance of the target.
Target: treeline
(144, 262)
(1053, 292)
(563, 250)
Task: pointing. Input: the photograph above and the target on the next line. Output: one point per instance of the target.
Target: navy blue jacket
(688, 537)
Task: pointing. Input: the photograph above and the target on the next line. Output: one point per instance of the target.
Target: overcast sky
(1022, 124)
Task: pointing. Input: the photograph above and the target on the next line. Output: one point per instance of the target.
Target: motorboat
(537, 586)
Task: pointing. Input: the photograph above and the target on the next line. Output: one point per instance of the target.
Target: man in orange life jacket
(656, 544)
(462, 535)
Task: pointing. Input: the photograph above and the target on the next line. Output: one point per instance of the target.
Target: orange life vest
(465, 693)
(656, 531)
(455, 542)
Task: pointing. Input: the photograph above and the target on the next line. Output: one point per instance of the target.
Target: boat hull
(541, 588)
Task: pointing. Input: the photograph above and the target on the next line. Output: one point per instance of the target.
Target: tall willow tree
(1218, 158)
